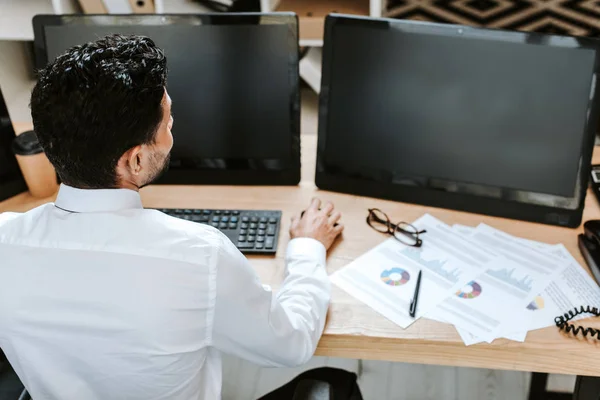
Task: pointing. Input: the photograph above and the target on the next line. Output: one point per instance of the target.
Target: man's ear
(131, 161)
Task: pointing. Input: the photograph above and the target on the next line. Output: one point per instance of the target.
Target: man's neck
(128, 185)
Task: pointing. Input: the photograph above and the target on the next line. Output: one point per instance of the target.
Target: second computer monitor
(233, 79)
(479, 120)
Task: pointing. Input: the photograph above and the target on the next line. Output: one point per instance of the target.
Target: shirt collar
(96, 200)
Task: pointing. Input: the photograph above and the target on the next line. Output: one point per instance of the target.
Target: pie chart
(536, 304)
(395, 276)
(470, 291)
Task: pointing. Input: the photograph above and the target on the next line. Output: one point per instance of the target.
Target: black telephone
(589, 245)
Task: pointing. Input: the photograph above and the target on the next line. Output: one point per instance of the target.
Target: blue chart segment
(536, 304)
(506, 276)
(395, 276)
(470, 291)
(436, 266)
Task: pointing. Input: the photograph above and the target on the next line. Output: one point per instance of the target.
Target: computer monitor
(234, 82)
(486, 121)
(11, 179)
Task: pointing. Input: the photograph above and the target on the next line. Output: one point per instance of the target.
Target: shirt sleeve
(279, 330)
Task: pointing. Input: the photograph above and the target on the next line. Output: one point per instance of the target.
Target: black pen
(413, 304)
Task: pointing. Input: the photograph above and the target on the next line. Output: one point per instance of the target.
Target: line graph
(507, 276)
(436, 266)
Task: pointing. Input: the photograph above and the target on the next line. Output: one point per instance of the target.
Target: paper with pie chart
(569, 288)
(573, 287)
(483, 305)
(385, 277)
(509, 284)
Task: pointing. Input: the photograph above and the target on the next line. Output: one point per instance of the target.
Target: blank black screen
(502, 114)
(230, 86)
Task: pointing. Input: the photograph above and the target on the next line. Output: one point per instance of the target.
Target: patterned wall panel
(565, 17)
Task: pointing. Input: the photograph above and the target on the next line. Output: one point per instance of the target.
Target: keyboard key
(206, 212)
(262, 226)
(223, 225)
(252, 232)
(224, 219)
(226, 212)
(269, 242)
(253, 225)
(245, 245)
(233, 219)
(197, 212)
(241, 238)
(259, 245)
(187, 217)
(232, 225)
(215, 224)
(243, 232)
(204, 219)
(188, 211)
(271, 230)
(245, 219)
(272, 220)
(254, 219)
(251, 238)
(262, 232)
(178, 211)
(216, 219)
(260, 239)
(217, 212)
(244, 225)
(263, 219)
(236, 212)
(197, 218)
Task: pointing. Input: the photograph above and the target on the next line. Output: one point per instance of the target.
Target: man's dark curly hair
(97, 101)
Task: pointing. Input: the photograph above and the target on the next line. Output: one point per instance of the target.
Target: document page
(385, 277)
(572, 287)
(513, 277)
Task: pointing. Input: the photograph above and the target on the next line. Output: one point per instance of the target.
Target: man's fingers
(338, 229)
(327, 208)
(296, 218)
(315, 204)
(335, 217)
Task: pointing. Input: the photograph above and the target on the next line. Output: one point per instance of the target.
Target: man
(101, 299)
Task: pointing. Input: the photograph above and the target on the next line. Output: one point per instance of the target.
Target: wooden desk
(353, 329)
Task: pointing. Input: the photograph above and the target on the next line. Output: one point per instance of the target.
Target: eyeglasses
(402, 231)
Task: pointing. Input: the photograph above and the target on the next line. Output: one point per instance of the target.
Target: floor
(386, 380)
(380, 380)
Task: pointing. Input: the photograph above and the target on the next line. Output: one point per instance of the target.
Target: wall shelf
(311, 15)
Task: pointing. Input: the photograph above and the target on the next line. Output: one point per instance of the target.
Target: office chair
(319, 384)
(11, 387)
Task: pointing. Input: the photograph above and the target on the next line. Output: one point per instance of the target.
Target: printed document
(384, 278)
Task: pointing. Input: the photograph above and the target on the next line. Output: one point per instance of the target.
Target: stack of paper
(488, 284)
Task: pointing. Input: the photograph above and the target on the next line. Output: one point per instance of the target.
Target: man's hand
(318, 224)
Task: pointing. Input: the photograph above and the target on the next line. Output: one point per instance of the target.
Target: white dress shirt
(101, 299)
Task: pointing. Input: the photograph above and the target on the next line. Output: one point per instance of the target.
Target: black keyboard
(252, 231)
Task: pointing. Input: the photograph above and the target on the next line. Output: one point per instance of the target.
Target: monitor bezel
(288, 176)
(509, 203)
